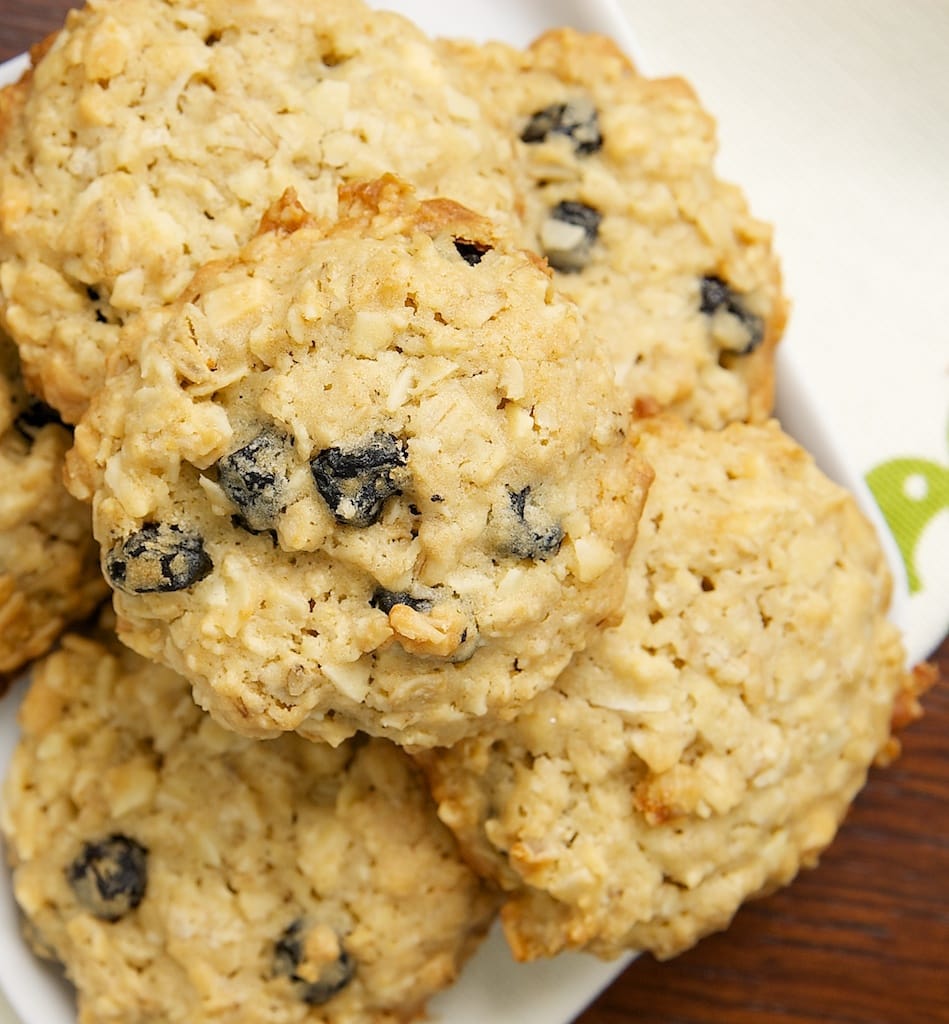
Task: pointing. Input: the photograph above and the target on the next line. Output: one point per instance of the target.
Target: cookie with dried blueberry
(182, 873)
(620, 194)
(142, 147)
(370, 474)
(705, 749)
(49, 560)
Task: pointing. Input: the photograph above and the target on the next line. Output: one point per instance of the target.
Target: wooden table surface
(863, 939)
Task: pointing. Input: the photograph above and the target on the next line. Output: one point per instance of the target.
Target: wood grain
(862, 939)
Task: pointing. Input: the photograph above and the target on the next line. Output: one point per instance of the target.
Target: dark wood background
(863, 939)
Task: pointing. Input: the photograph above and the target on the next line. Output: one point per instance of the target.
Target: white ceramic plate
(493, 988)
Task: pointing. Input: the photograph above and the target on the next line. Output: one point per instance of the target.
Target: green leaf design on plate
(911, 492)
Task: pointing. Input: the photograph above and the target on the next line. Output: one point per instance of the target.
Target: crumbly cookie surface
(49, 560)
(619, 192)
(141, 147)
(705, 749)
(152, 135)
(182, 873)
(368, 475)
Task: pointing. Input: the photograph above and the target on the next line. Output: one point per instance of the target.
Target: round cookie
(705, 749)
(367, 475)
(152, 135)
(182, 873)
(49, 560)
(619, 192)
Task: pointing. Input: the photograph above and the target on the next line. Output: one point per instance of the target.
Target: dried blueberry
(568, 234)
(317, 980)
(531, 533)
(255, 479)
(386, 600)
(240, 523)
(103, 309)
(109, 876)
(356, 483)
(34, 417)
(158, 559)
(716, 295)
(471, 252)
(576, 119)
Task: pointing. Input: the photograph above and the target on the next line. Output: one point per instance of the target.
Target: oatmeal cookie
(370, 474)
(49, 560)
(152, 135)
(705, 749)
(182, 873)
(619, 192)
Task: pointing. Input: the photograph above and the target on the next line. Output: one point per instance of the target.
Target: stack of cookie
(422, 435)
